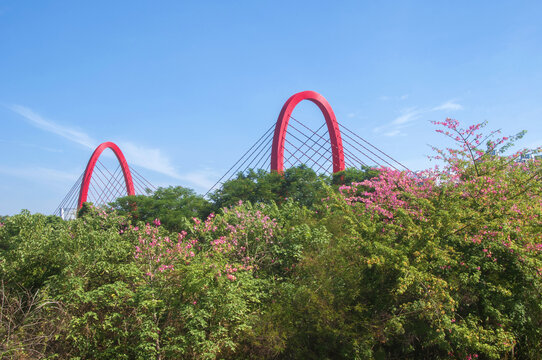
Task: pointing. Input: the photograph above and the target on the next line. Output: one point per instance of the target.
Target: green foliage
(28, 249)
(453, 271)
(171, 205)
(365, 264)
(351, 175)
(300, 184)
(253, 186)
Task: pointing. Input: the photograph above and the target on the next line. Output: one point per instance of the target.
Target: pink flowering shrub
(442, 264)
(243, 233)
(157, 252)
(390, 191)
(201, 271)
(445, 263)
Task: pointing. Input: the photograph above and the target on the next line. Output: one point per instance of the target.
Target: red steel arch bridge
(328, 148)
(101, 185)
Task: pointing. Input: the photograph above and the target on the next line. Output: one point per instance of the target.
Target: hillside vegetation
(370, 264)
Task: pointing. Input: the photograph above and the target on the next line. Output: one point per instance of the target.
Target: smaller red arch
(83, 193)
(277, 150)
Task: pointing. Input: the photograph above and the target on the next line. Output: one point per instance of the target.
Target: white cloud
(28, 145)
(393, 133)
(448, 105)
(410, 114)
(40, 174)
(153, 159)
(149, 158)
(203, 179)
(355, 115)
(63, 131)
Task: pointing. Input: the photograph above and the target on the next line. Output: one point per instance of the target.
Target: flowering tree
(443, 263)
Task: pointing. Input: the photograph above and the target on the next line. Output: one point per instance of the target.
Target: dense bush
(170, 205)
(372, 264)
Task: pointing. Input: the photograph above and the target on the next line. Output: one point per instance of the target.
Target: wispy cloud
(394, 128)
(203, 179)
(448, 105)
(393, 133)
(28, 145)
(47, 125)
(149, 158)
(155, 160)
(407, 116)
(355, 115)
(40, 174)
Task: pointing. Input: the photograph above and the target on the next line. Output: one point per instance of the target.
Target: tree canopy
(374, 264)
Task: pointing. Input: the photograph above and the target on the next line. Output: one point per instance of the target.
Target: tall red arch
(83, 193)
(277, 151)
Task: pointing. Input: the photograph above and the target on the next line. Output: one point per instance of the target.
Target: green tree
(441, 264)
(255, 186)
(436, 265)
(350, 175)
(300, 184)
(171, 205)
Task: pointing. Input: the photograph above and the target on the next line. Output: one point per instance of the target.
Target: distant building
(68, 213)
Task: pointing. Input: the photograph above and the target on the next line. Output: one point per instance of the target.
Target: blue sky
(185, 87)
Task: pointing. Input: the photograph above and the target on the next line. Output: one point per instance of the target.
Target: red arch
(83, 193)
(277, 151)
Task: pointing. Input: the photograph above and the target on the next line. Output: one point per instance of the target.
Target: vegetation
(171, 205)
(174, 205)
(367, 264)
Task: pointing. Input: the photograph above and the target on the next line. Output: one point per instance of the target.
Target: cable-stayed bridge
(100, 184)
(329, 148)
